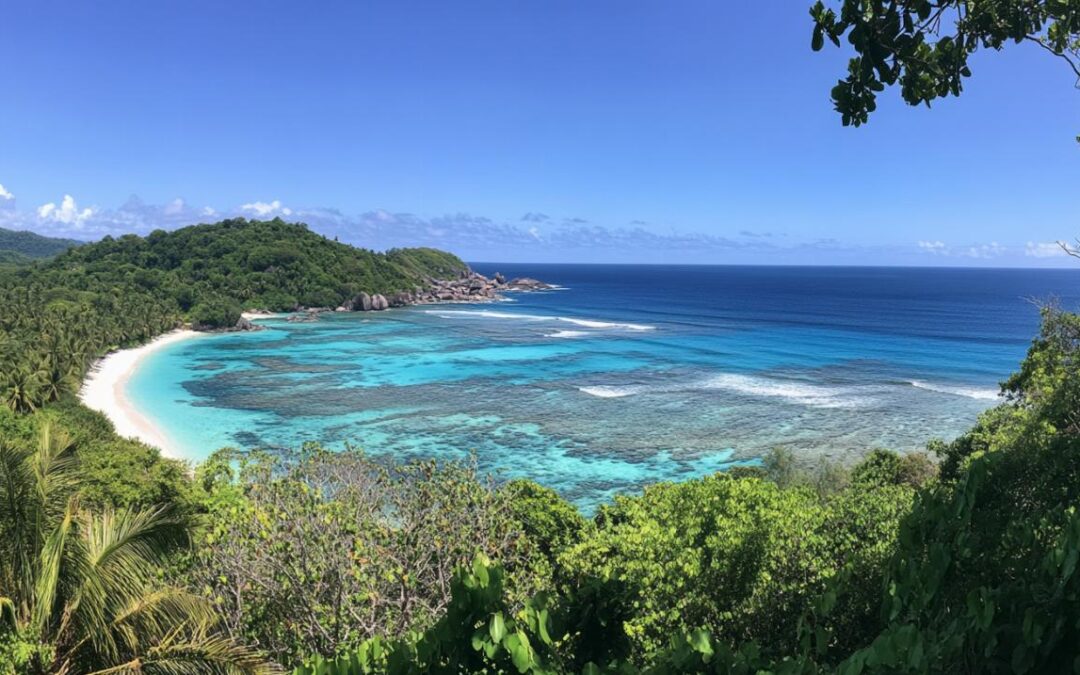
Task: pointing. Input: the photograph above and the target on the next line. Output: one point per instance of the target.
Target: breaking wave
(800, 393)
(610, 392)
(586, 323)
(970, 392)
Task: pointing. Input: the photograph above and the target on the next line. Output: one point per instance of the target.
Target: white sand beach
(104, 391)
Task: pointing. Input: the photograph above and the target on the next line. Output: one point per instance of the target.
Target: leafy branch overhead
(924, 46)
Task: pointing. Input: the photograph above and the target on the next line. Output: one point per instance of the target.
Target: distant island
(22, 247)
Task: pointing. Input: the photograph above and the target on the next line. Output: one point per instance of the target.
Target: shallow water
(630, 375)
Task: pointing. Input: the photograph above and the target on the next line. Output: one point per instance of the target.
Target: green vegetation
(80, 589)
(113, 472)
(271, 265)
(11, 258)
(388, 537)
(20, 244)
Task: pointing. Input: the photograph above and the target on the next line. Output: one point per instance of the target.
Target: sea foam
(800, 393)
(609, 392)
(585, 323)
(969, 392)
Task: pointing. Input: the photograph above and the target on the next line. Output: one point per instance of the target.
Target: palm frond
(196, 651)
(88, 586)
(124, 551)
(18, 521)
(53, 462)
(50, 568)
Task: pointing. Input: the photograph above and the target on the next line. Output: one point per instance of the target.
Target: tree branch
(1063, 55)
(1074, 252)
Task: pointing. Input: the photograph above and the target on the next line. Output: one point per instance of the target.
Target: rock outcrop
(527, 284)
(468, 287)
(362, 303)
(308, 315)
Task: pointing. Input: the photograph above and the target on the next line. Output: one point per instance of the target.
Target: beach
(105, 385)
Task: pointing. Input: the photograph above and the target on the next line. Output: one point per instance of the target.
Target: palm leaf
(195, 652)
(50, 568)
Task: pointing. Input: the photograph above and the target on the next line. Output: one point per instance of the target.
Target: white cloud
(983, 251)
(534, 238)
(263, 209)
(174, 207)
(67, 213)
(1043, 249)
(974, 251)
(384, 216)
(5, 195)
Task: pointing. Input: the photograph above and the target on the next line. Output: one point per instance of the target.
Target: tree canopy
(923, 46)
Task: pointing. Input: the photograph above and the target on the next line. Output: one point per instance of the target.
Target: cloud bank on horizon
(535, 237)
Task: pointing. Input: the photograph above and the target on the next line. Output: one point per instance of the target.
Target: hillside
(31, 245)
(267, 264)
(14, 258)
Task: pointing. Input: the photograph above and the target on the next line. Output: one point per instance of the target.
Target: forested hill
(267, 264)
(15, 244)
(60, 315)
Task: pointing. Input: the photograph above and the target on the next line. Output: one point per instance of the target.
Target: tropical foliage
(924, 46)
(80, 590)
(315, 553)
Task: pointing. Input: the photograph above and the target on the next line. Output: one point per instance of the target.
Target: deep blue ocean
(626, 375)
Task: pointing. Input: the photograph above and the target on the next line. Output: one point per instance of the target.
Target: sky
(543, 131)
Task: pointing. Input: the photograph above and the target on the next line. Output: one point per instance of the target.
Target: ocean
(624, 376)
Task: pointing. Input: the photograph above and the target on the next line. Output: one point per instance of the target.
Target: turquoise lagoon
(630, 375)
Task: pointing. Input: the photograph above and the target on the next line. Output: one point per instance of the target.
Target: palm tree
(80, 592)
(21, 388)
(58, 378)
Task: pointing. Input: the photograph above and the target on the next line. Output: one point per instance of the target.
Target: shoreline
(103, 390)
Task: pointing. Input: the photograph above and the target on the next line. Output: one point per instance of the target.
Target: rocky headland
(470, 287)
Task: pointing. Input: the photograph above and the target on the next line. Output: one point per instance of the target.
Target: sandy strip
(105, 385)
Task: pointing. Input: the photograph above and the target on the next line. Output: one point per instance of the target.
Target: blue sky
(536, 131)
